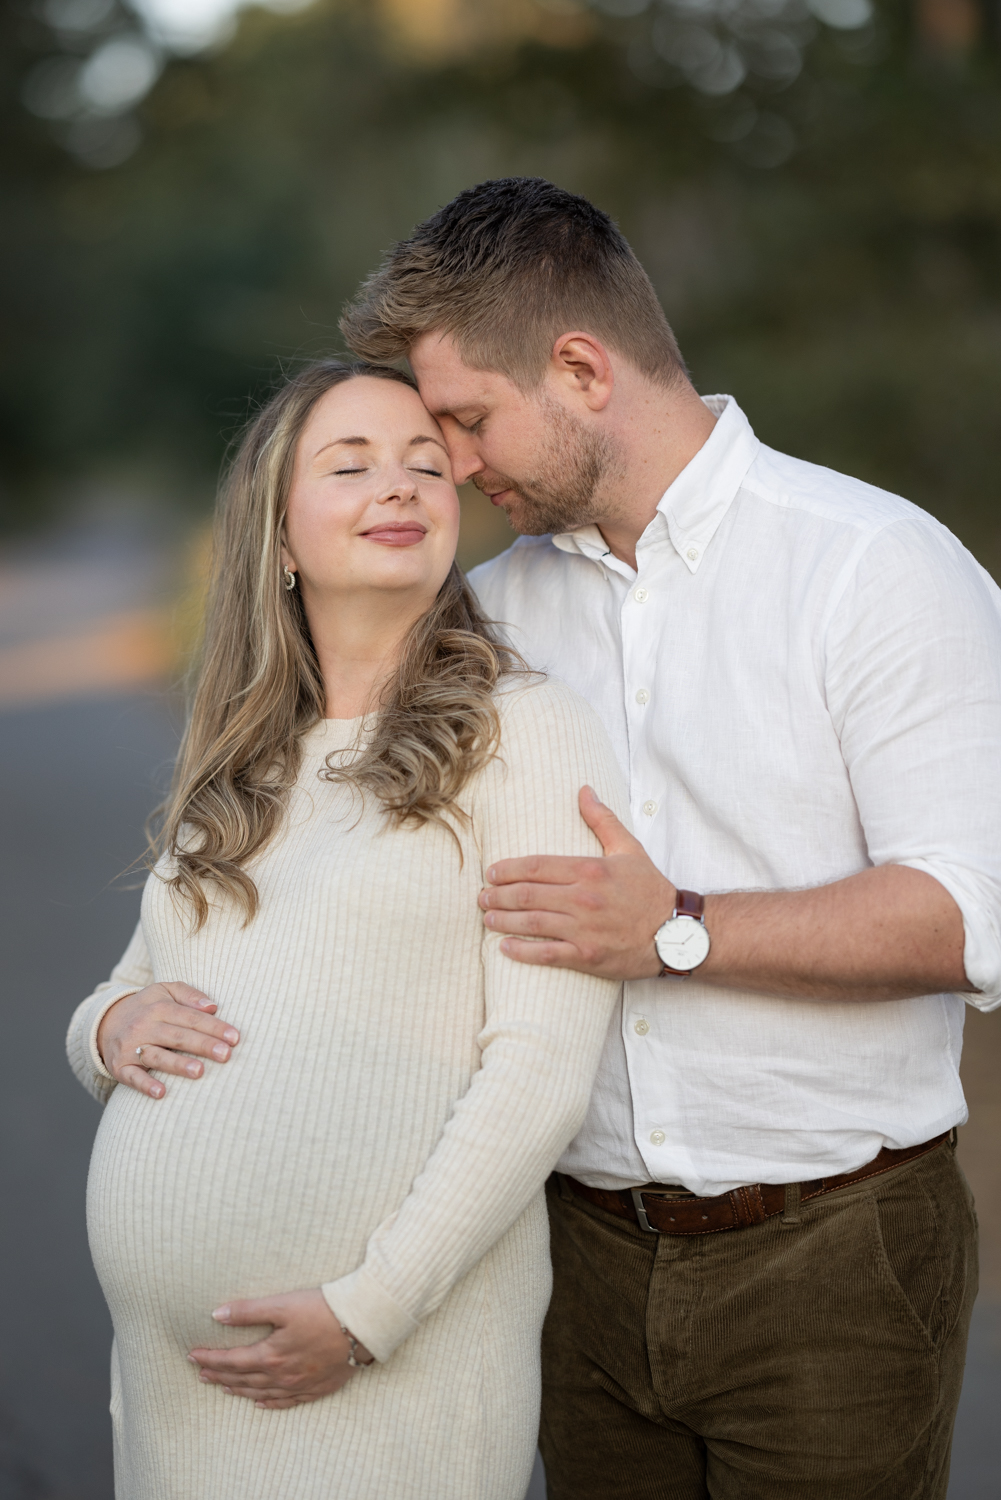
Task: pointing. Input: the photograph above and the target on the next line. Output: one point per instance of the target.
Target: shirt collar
(694, 505)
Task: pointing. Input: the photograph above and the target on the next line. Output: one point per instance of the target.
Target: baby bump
(225, 1190)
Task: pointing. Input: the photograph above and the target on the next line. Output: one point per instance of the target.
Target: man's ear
(581, 361)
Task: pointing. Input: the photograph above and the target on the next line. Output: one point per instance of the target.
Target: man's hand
(304, 1357)
(598, 915)
(167, 1021)
(887, 933)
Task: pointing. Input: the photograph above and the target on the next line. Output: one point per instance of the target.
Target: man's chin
(523, 518)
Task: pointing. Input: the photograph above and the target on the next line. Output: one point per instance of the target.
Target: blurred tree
(816, 190)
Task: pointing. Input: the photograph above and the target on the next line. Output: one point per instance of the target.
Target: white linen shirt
(801, 679)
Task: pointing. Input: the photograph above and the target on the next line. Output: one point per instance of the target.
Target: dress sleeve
(914, 688)
(541, 1041)
(132, 972)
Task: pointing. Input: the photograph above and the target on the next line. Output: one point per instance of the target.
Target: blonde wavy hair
(258, 686)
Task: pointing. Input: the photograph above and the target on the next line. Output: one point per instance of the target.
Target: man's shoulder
(824, 494)
(890, 542)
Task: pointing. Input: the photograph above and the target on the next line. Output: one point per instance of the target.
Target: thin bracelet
(353, 1360)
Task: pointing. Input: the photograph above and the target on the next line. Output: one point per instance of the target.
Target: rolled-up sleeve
(913, 681)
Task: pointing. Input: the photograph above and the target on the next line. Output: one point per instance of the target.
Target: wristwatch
(682, 942)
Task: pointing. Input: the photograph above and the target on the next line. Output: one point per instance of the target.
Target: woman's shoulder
(552, 742)
(535, 704)
(536, 692)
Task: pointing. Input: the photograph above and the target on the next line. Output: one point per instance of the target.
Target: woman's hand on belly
(161, 1027)
(304, 1357)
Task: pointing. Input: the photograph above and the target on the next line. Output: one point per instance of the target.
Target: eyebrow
(364, 442)
(452, 409)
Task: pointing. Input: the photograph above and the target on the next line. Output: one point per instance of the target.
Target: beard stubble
(563, 495)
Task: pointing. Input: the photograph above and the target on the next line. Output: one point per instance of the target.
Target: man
(802, 678)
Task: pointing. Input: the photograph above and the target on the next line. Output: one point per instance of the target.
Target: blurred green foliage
(826, 242)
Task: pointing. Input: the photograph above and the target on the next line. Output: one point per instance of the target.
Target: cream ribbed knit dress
(384, 1128)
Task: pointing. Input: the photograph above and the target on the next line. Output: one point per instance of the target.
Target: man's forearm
(884, 934)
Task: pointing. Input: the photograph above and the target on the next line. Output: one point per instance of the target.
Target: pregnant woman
(331, 1101)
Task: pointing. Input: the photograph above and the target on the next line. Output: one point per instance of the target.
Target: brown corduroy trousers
(812, 1360)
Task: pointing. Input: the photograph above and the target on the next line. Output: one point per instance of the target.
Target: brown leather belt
(663, 1208)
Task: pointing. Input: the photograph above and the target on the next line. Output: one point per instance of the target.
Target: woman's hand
(166, 1021)
(304, 1357)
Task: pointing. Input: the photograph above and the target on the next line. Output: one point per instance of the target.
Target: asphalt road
(76, 782)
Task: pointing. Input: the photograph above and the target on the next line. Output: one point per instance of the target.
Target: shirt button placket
(637, 663)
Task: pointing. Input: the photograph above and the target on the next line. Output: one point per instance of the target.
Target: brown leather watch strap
(689, 904)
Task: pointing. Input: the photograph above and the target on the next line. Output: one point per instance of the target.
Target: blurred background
(189, 192)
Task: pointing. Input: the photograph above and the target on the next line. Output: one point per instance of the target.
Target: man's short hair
(505, 269)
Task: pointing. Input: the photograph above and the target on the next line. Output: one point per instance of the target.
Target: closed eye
(431, 473)
(349, 471)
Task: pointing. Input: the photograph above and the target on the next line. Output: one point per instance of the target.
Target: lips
(397, 534)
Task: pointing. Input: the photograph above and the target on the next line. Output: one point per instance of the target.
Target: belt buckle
(637, 1196)
(681, 1194)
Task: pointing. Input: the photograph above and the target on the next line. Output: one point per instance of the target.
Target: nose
(462, 452)
(401, 486)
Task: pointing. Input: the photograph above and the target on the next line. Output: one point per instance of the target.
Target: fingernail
(192, 1360)
(505, 946)
(231, 1036)
(220, 1051)
(157, 1090)
(491, 919)
(204, 1380)
(193, 1069)
(490, 874)
(222, 1314)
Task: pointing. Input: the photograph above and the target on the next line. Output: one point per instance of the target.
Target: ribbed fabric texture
(384, 1129)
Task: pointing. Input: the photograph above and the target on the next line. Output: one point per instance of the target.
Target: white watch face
(682, 943)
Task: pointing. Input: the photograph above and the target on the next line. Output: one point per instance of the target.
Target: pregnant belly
(241, 1184)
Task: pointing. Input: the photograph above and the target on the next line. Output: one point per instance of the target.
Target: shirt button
(657, 1138)
(641, 596)
(642, 696)
(649, 808)
(693, 553)
(641, 1027)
